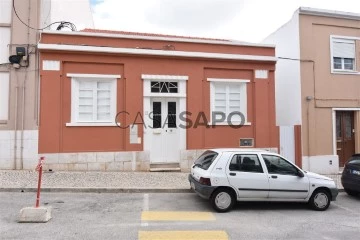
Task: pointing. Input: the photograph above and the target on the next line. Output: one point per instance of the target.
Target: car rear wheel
(320, 200)
(222, 200)
(350, 192)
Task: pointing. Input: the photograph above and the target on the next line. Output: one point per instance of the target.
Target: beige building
(318, 88)
(20, 22)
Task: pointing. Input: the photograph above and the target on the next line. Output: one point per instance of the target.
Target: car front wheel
(320, 200)
(222, 200)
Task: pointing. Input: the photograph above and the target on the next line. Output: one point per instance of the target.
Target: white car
(228, 175)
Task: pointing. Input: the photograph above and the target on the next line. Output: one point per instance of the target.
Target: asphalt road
(174, 216)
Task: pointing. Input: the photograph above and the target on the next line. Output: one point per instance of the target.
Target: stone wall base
(134, 161)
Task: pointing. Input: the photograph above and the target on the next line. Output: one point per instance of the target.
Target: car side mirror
(300, 173)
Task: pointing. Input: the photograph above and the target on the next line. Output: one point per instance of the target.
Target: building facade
(118, 101)
(20, 26)
(318, 87)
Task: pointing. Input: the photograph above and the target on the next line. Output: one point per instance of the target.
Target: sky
(243, 20)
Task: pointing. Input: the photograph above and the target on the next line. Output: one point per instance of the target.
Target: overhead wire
(67, 24)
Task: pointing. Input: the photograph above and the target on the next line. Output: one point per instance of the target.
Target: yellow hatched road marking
(176, 216)
(183, 235)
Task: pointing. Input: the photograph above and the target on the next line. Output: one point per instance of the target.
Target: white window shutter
(344, 49)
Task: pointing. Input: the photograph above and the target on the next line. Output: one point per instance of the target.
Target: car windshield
(355, 160)
(205, 160)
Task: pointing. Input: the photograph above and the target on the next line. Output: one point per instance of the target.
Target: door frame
(334, 126)
(148, 95)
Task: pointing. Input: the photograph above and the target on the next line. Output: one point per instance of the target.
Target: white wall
(78, 12)
(4, 44)
(287, 74)
(4, 95)
(5, 11)
(29, 151)
(324, 164)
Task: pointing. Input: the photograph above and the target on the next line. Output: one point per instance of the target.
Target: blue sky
(246, 20)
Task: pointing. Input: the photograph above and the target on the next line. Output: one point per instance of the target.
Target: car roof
(241, 150)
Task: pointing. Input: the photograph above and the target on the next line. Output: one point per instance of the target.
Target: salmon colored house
(119, 101)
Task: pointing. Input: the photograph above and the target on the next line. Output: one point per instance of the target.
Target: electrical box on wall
(20, 51)
(246, 142)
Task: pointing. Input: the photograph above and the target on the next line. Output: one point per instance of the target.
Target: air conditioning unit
(246, 142)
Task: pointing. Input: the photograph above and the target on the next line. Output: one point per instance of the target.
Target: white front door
(165, 137)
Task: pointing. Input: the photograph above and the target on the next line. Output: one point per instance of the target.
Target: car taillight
(205, 181)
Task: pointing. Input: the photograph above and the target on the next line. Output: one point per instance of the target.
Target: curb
(101, 190)
(106, 190)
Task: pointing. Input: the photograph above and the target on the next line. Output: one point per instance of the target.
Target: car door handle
(273, 176)
(232, 174)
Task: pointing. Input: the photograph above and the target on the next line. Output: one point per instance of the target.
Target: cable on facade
(62, 24)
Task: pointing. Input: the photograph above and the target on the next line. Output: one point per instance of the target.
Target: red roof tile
(90, 30)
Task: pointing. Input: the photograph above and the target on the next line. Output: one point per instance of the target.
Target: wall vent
(246, 142)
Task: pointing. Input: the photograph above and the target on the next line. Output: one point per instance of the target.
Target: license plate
(192, 185)
(356, 172)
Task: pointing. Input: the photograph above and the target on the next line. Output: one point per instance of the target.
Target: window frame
(343, 70)
(267, 168)
(75, 89)
(243, 98)
(243, 170)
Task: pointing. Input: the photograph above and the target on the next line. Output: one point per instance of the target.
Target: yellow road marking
(183, 235)
(176, 216)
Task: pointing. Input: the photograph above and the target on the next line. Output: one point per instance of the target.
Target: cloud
(246, 20)
(192, 16)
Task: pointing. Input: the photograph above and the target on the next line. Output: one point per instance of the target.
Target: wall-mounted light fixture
(16, 59)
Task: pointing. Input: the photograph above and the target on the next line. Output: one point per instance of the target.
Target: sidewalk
(13, 180)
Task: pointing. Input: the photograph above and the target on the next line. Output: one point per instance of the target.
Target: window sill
(93, 124)
(348, 72)
(227, 124)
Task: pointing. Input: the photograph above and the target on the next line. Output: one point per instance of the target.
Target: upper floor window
(343, 54)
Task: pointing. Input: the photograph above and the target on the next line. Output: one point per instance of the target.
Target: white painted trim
(80, 75)
(226, 124)
(135, 51)
(346, 109)
(334, 131)
(92, 124)
(228, 80)
(345, 37)
(171, 39)
(328, 13)
(334, 124)
(172, 95)
(164, 77)
(344, 72)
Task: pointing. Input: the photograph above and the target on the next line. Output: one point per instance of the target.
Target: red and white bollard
(36, 214)
(39, 168)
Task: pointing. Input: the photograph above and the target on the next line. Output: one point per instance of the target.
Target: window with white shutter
(229, 97)
(343, 54)
(93, 98)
